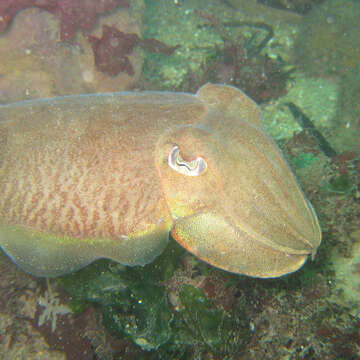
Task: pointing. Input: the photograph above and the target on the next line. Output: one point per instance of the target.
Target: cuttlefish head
(234, 201)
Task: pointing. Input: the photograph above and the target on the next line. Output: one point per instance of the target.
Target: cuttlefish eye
(190, 168)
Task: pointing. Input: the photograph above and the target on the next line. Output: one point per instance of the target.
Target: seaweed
(341, 184)
(111, 51)
(303, 160)
(240, 62)
(73, 14)
(307, 124)
(136, 305)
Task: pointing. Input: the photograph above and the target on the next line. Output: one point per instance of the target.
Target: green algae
(202, 324)
(317, 98)
(133, 301)
(135, 305)
(341, 184)
(141, 313)
(205, 33)
(303, 160)
(177, 25)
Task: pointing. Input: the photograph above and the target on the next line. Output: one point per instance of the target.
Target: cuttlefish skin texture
(94, 176)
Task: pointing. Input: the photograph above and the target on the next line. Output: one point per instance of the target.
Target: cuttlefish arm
(241, 208)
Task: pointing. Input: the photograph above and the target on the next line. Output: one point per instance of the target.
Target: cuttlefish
(111, 175)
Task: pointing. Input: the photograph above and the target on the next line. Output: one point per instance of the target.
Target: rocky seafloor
(279, 52)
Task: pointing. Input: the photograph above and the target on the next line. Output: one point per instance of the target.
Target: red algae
(82, 14)
(343, 159)
(74, 15)
(112, 49)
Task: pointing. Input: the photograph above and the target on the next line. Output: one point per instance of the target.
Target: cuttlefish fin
(50, 255)
(232, 101)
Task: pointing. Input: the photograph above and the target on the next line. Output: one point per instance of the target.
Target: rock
(35, 63)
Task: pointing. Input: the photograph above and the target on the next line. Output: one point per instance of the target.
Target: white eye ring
(190, 168)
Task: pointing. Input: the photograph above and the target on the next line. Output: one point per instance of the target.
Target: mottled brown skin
(88, 176)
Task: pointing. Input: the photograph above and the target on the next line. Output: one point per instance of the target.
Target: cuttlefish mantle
(94, 176)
